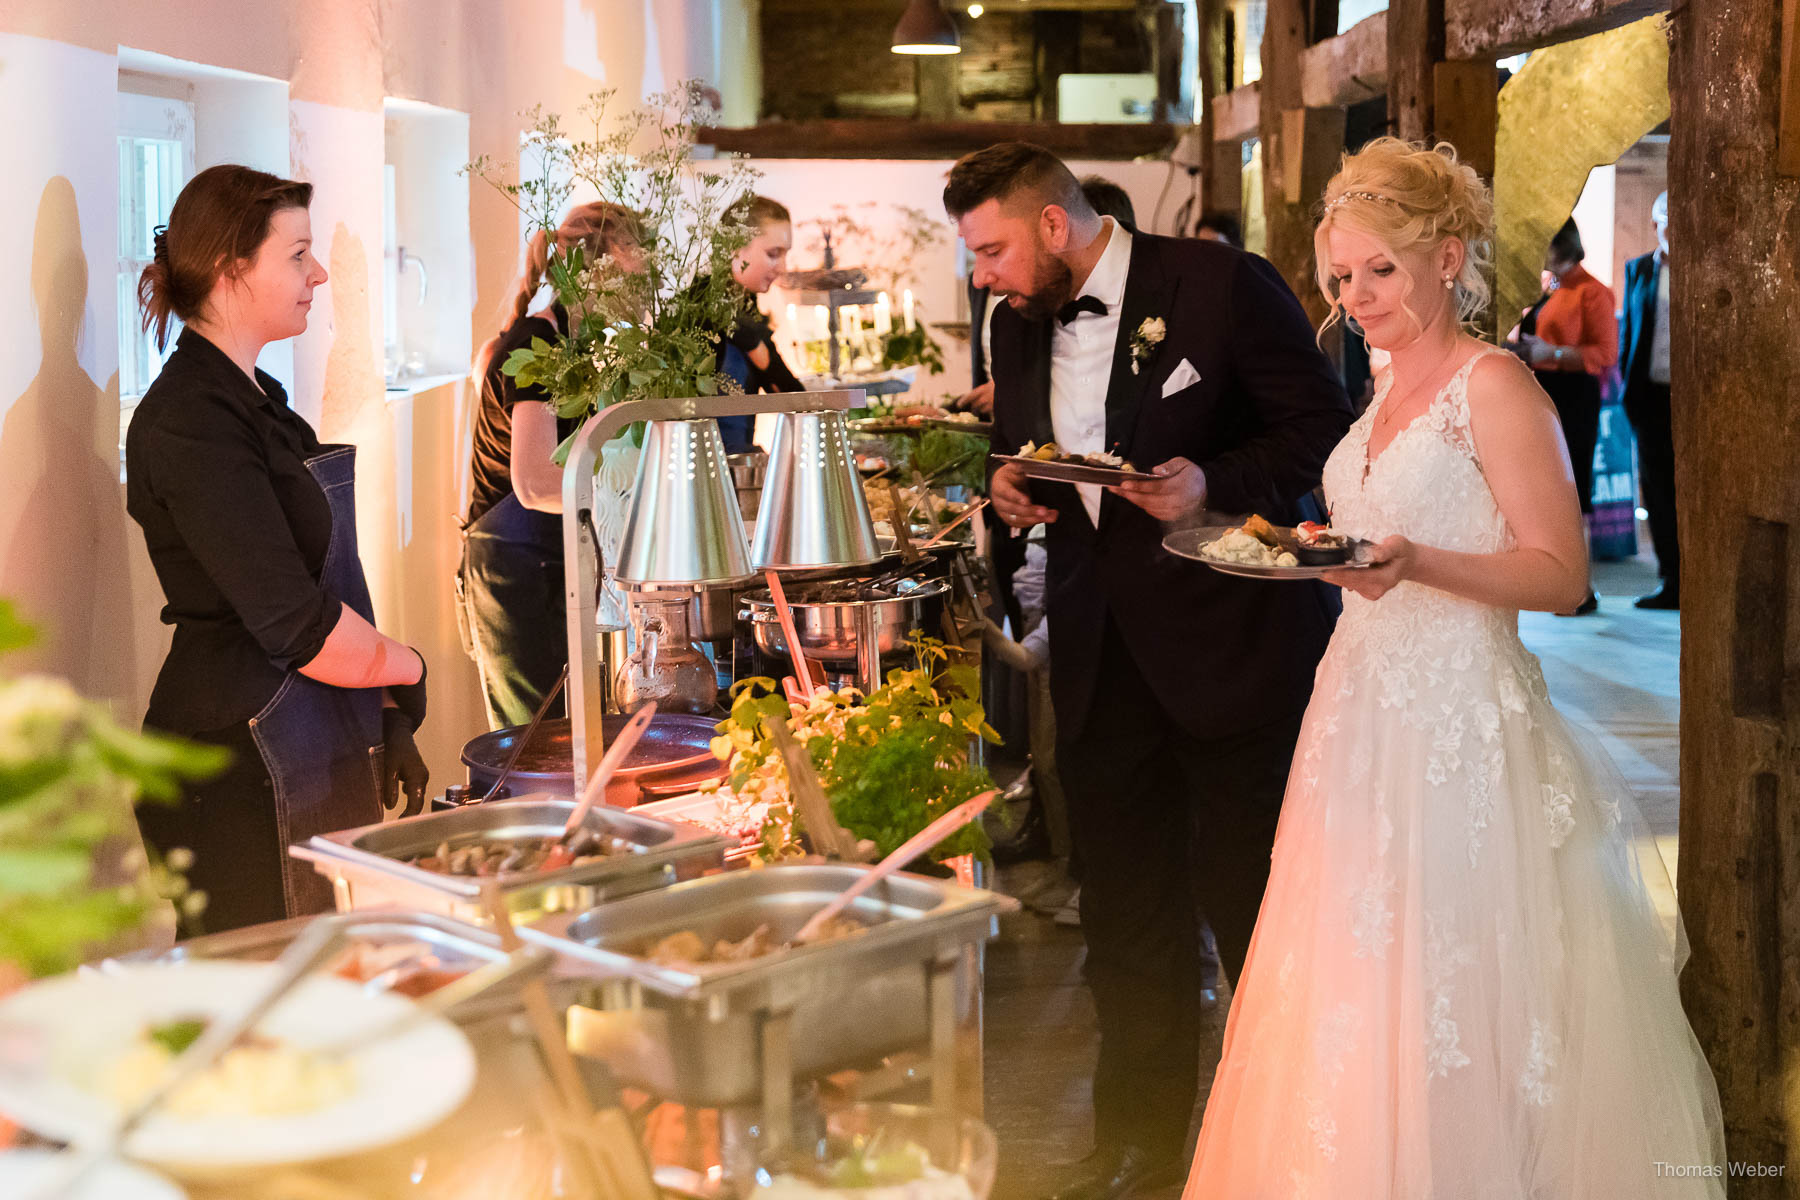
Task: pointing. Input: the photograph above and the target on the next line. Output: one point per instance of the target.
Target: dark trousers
(229, 823)
(1647, 404)
(511, 585)
(1163, 821)
(1576, 395)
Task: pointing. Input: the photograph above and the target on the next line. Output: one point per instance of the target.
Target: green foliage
(891, 762)
(641, 333)
(964, 455)
(901, 347)
(68, 777)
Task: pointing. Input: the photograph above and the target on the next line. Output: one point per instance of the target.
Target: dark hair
(1109, 200)
(758, 212)
(1566, 245)
(219, 221)
(1223, 224)
(1009, 169)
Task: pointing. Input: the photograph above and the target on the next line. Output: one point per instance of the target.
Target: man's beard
(1052, 286)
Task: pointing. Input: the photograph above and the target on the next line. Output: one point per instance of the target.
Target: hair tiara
(1345, 197)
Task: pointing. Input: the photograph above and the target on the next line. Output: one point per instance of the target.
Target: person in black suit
(1178, 690)
(1644, 362)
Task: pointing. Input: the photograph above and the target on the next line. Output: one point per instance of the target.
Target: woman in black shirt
(250, 525)
(748, 353)
(511, 579)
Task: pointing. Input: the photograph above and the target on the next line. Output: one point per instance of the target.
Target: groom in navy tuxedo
(1178, 691)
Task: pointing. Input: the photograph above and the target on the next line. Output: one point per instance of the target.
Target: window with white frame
(156, 157)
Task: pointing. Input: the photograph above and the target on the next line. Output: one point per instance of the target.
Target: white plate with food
(77, 1050)
(1256, 549)
(32, 1172)
(1049, 461)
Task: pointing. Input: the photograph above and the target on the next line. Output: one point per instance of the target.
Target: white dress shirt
(1081, 357)
(1659, 336)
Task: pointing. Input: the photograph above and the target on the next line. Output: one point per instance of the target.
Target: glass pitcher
(664, 665)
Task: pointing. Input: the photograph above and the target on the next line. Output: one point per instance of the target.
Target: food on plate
(519, 856)
(1319, 545)
(687, 948)
(401, 968)
(1051, 452)
(1252, 544)
(260, 1076)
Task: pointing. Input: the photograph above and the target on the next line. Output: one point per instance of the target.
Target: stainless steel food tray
(702, 1034)
(367, 870)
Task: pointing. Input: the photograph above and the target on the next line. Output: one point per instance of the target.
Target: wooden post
(1288, 238)
(1734, 233)
(1466, 112)
(1790, 87)
(1415, 44)
(1218, 190)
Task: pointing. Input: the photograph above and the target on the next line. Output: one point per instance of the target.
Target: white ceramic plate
(1068, 472)
(28, 1172)
(59, 1035)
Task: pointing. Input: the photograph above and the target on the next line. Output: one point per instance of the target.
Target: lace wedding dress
(1458, 988)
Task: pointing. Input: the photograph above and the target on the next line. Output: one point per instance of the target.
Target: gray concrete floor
(1614, 672)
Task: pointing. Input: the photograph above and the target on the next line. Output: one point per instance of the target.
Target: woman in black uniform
(747, 353)
(511, 579)
(250, 524)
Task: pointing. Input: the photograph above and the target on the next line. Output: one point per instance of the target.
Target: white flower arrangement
(1145, 340)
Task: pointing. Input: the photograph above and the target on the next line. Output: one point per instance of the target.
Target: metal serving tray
(367, 868)
(700, 1034)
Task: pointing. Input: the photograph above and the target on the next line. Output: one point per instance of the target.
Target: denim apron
(322, 744)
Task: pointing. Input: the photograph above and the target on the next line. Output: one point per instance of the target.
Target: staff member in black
(250, 523)
(510, 583)
(747, 351)
(1644, 362)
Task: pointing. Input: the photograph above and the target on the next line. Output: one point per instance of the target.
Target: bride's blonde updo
(1409, 198)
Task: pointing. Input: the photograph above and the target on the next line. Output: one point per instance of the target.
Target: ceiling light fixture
(925, 28)
(975, 10)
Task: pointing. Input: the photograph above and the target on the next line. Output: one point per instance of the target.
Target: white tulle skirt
(1459, 988)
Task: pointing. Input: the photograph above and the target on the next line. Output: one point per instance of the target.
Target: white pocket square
(1182, 376)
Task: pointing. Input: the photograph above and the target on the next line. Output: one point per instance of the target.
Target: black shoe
(1586, 608)
(1116, 1172)
(1664, 597)
(1030, 843)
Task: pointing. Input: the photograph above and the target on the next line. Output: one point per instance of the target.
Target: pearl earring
(1449, 283)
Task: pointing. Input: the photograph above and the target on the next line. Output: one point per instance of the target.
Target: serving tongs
(537, 718)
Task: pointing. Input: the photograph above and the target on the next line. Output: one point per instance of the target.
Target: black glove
(402, 767)
(410, 697)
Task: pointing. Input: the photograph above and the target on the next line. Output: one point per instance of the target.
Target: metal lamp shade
(925, 28)
(684, 526)
(813, 512)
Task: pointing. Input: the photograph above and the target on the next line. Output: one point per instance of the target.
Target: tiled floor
(1614, 673)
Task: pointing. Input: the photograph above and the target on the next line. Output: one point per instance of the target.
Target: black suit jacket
(1223, 655)
(1637, 330)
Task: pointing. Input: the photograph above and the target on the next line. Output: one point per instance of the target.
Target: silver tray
(367, 870)
(691, 1033)
(1063, 472)
(1187, 543)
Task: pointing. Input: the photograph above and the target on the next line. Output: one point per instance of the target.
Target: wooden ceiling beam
(1487, 30)
(1348, 68)
(877, 138)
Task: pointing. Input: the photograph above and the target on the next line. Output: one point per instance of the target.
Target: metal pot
(828, 629)
(672, 758)
(748, 469)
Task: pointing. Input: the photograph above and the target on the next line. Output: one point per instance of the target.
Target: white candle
(823, 315)
(883, 318)
(906, 308)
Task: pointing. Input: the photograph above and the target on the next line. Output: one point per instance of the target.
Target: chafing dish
(672, 758)
(832, 629)
(735, 1033)
(367, 866)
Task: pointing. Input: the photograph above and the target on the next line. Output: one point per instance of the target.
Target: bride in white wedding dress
(1458, 987)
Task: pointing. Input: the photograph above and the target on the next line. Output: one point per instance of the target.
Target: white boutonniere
(1144, 341)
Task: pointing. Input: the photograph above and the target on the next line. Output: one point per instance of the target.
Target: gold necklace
(1388, 410)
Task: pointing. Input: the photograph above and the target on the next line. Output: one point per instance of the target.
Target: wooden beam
(937, 86)
(1237, 115)
(1058, 53)
(1225, 184)
(1415, 45)
(1346, 69)
(1467, 102)
(1315, 137)
(1485, 29)
(876, 138)
(1287, 225)
(1736, 413)
(1788, 151)
(1210, 18)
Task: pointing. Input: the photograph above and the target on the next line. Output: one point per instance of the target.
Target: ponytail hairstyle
(215, 229)
(599, 228)
(1409, 197)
